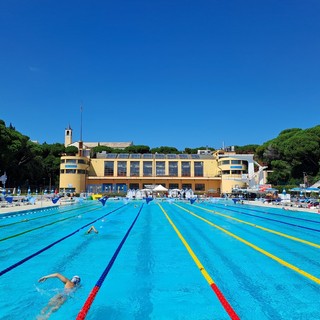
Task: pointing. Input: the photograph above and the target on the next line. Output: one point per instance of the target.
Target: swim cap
(76, 280)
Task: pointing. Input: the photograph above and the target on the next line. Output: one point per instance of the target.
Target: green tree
(137, 149)
(71, 150)
(165, 150)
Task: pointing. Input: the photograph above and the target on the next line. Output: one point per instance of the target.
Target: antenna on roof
(81, 122)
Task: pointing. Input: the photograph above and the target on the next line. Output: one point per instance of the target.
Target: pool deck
(24, 207)
(284, 207)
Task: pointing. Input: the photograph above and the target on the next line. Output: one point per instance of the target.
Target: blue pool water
(265, 261)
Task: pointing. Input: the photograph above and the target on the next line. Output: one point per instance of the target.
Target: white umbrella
(159, 188)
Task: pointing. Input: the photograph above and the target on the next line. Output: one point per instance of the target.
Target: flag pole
(81, 122)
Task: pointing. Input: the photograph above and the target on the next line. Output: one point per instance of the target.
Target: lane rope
(15, 265)
(45, 216)
(266, 253)
(85, 309)
(270, 219)
(278, 214)
(45, 225)
(224, 302)
(262, 228)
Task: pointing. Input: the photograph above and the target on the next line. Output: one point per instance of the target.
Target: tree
(165, 150)
(71, 150)
(137, 149)
(293, 152)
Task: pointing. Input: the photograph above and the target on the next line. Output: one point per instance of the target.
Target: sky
(175, 73)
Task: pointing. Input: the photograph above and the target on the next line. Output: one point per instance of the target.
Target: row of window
(117, 187)
(228, 172)
(242, 162)
(73, 171)
(147, 156)
(73, 161)
(147, 168)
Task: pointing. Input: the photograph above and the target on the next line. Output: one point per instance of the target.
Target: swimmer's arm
(54, 275)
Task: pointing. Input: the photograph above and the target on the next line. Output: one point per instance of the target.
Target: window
(122, 168)
(71, 171)
(185, 168)
(198, 169)
(235, 171)
(71, 161)
(107, 187)
(134, 168)
(199, 187)
(134, 186)
(62, 161)
(173, 168)
(235, 161)
(80, 171)
(81, 161)
(225, 162)
(186, 186)
(62, 171)
(173, 186)
(225, 171)
(160, 168)
(147, 168)
(109, 168)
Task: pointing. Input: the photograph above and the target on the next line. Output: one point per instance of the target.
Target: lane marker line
(263, 228)
(205, 274)
(87, 305)
(266, 253)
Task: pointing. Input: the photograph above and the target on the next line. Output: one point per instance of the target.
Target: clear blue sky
(160, 73)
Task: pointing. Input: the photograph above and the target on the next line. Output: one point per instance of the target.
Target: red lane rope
(232, 314)
(84, 310)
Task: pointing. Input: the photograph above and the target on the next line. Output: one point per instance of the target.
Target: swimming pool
(163, 260)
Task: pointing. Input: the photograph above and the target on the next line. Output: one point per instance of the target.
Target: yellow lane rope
(205, 274)
(262, 228)
(266, 253)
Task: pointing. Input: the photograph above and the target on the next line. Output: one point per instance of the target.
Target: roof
(157, 156)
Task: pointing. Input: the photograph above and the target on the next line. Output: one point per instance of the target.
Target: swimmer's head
(76, 280)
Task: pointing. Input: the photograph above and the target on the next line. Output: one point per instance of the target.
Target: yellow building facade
(209, 174)
(206, 173)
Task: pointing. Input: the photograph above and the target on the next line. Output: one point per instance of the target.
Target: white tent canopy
(159, 188)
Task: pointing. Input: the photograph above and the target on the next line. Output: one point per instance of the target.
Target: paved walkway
(23, 207)
(284, 207)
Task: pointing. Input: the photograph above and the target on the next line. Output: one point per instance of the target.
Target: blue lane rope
(84, 310)
(52, 244)
(282, 215)
(265, 218)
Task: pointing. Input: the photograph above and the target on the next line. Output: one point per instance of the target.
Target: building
(210, 173)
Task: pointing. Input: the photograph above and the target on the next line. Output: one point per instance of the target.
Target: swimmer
(57, 301)
(92, 228)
